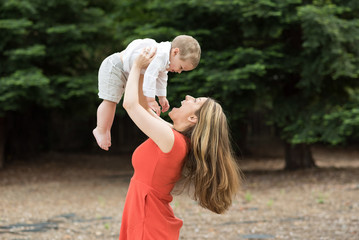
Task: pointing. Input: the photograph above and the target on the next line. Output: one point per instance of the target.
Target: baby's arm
(154, 73)
(144, 103)
(164, 103)
(153, 105)
(161, 90)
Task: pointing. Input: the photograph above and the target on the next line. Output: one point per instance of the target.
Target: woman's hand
(144, 59)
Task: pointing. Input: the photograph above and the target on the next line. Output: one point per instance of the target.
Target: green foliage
(270, 203)
(321, 198)
(248, 197)
(24, 86)
(296, 60)
(330, 42)
(317, 104)
(51, 50)
(107, 226)
(342, 122)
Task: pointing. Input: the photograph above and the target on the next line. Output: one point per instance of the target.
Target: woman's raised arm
(156, 129)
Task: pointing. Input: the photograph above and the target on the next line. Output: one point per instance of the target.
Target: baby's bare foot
(102, 139)
(109, 138)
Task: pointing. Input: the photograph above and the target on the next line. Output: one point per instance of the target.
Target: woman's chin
(170, 112)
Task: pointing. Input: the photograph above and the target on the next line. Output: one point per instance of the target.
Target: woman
(196, 145)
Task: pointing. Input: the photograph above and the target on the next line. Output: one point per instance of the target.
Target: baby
(182, 54)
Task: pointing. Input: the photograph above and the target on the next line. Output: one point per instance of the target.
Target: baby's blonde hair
(189, 48)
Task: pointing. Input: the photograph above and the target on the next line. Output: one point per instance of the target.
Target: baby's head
(185, 54)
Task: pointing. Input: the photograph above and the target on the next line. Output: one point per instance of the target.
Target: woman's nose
(188, 97)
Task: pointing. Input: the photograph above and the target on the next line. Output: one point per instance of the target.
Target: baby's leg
(105, 115)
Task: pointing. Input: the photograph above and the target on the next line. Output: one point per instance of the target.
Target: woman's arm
(144, 104)
(156, 129)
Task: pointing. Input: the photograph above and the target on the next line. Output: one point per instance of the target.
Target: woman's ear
(193, 119)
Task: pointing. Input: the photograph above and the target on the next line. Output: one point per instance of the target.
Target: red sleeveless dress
(147, 214)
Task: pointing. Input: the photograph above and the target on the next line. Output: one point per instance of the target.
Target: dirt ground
(63, 196)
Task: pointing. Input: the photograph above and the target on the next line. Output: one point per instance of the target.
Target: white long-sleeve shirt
(155, 76)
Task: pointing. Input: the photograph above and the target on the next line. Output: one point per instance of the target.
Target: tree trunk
(298, 156)
(2, 142)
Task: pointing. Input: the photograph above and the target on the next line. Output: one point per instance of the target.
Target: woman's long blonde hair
(211, 167)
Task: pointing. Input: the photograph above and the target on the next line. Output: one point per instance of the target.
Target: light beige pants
(112, 79)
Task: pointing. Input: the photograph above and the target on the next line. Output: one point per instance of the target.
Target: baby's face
(177, 65)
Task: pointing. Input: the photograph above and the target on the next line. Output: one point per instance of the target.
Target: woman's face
(188, 108)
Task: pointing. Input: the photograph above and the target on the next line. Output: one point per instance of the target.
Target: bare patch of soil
(61, 196)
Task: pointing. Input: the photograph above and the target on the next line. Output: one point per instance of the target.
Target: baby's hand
(153, 105)
(164, 103)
